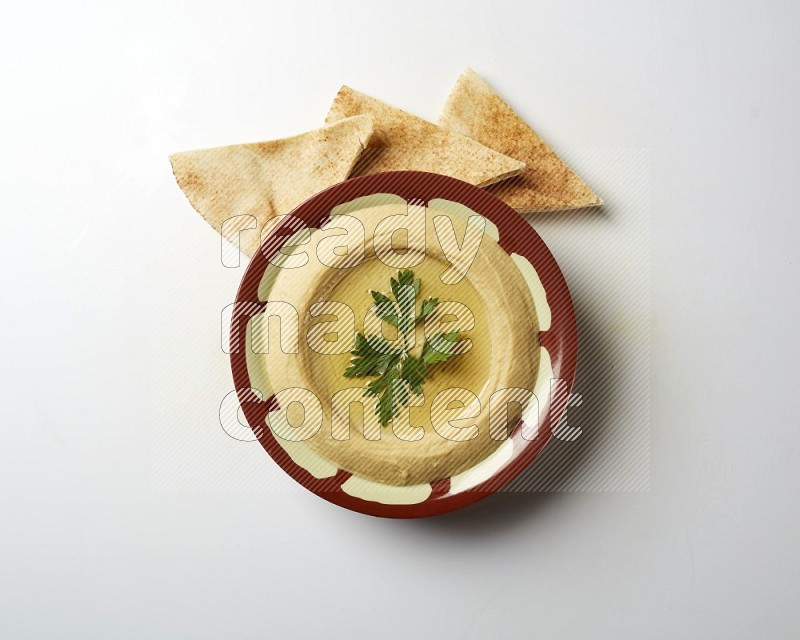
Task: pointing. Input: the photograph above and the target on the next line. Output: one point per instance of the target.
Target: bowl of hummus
(403, 344)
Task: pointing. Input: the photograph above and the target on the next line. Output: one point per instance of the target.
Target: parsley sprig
(398, 373)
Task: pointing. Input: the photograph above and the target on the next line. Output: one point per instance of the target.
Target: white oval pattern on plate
(386, 493)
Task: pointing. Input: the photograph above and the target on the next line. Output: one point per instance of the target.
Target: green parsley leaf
(428, 307)
(397, 372)
(385, 309)
(440, 348)
(387, 388)
(405, 292)
(373, 356)
(414, 373)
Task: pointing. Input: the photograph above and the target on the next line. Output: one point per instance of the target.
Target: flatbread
(265, 179)
(405, 142)
(473, 109)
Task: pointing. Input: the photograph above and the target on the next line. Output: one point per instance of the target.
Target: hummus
(441, 433)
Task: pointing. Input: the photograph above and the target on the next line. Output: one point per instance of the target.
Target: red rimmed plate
(557, 362)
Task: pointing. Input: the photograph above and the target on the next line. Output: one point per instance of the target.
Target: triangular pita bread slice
(473, 109)
(264, 179)
(405, 142)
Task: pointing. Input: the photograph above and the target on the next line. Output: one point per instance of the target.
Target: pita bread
(405, 142)
(473, 109)
(265, 179)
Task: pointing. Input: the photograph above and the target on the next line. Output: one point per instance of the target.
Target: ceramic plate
(557, 349)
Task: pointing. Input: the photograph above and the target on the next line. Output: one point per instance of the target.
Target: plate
(557, 355)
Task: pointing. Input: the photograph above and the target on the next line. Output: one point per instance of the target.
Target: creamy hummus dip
(441, 433)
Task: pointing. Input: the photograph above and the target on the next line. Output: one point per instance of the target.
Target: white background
(102, 258)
